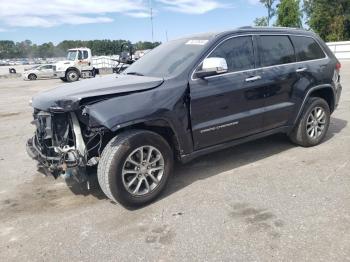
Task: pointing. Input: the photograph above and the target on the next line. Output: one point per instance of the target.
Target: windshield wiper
(134, 73)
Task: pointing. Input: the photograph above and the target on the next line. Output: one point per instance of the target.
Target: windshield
(168, 59)
(72, 55)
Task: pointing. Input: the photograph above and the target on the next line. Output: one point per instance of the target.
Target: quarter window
(307, 48)
(276, 50)
(238, 52)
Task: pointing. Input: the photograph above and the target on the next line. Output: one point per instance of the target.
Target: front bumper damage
(66, 160)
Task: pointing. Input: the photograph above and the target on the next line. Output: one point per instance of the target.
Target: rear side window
(238, 52)
(276, 50)
(307, 48)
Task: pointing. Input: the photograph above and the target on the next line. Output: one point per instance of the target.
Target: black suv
(186, 98)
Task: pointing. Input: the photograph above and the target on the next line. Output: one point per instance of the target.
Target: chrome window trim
(259, 68)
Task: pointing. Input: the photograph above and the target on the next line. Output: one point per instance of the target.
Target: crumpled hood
(67, 97)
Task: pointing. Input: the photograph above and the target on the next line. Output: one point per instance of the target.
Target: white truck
(81, 64)
(78, 64)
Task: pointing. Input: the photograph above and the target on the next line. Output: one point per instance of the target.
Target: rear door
(228, 106)
(279, 75)
(313, 65)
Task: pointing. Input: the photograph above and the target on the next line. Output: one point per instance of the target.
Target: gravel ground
(266, 200)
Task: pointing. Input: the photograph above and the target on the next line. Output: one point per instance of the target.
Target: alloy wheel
(316, 122)
(143, 170)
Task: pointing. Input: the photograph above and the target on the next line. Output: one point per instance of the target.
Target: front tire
(32, 77)
(72, 75)
(63, 79)
(313, 124)
(135, 167)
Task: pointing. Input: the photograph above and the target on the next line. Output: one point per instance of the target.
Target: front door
(83, 60)
(228, 106)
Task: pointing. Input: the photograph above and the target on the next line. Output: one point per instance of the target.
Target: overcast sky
(57, 20)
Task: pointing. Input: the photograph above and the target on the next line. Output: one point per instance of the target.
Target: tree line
(27, 49)
(330, 19)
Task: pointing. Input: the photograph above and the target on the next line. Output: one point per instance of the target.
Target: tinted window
(276, 50)
(238, 53)
(307, 48)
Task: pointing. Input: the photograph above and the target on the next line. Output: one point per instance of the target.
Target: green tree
(270, 9)
(330, 19)
(26, 49)
(289, 13)
(261, 21)
(145, 45)
(7, 49)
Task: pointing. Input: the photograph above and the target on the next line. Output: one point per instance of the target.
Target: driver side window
(238, 52)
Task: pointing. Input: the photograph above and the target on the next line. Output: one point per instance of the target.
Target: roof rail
(269, 27)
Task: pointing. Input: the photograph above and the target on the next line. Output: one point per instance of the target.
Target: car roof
(78, 48)
(251, 29)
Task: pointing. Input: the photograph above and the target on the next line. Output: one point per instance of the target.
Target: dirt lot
(263, 201)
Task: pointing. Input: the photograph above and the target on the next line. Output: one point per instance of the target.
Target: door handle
(253, 79)
(301, 70)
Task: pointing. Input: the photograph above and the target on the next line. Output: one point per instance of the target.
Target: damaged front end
(62, 146)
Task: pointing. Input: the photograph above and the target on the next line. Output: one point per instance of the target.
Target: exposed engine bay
(61, 147)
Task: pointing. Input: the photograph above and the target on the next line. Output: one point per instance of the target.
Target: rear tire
(32, 77)
(72, 75)
(313, 124)
(135, 167)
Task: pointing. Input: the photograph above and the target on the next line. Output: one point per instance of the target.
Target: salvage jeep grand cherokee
(186, 98)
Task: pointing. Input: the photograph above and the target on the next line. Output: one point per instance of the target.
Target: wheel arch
(327, 94)
(32, 74)
(323, 91)
(73, 68)
(159, 126)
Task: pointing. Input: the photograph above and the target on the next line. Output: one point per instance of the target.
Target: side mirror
(212, 66)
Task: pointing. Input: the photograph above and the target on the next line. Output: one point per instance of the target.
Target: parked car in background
(39, 72)
(184, 99)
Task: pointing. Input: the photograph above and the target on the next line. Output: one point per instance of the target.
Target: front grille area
(58, 144)
(52, 131)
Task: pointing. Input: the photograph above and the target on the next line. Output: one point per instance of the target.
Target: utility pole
(151, 13)
(166, 35)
